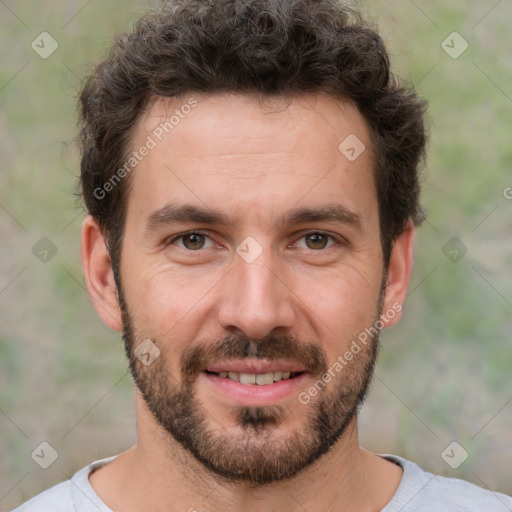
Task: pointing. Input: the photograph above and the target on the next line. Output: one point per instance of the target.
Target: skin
(253, 165)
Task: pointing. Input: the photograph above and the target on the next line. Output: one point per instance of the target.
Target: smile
(260, 379)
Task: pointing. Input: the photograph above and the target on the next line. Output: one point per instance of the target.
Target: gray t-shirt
(418, 491)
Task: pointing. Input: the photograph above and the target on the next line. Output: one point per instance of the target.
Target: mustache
(200, 355)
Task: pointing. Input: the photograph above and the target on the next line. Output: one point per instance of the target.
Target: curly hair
(264, 48)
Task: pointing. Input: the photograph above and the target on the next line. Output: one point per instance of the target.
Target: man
(250, 170)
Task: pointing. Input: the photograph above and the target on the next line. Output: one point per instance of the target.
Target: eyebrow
(189, 213)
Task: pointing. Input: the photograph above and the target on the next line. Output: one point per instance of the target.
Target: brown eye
(193, 241)
(316, 240)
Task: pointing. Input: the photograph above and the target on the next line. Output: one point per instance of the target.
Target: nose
(256, 300)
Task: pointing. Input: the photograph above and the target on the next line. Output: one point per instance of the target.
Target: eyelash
(171, 240)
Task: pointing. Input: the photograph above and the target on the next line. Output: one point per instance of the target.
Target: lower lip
(253, 394)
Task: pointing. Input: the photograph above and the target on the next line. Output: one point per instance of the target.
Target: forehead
(228, 150)
(312, 121)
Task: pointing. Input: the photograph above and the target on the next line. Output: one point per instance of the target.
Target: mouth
(253, 382)
(259, 379)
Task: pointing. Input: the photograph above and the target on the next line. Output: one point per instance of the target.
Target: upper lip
(255, 366)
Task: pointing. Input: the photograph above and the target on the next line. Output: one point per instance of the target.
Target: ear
(399, 274)
(99, 277)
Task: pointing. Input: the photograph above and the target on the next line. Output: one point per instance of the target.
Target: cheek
(346, 294)
(167, 304)
(160, 304)
(341, 306)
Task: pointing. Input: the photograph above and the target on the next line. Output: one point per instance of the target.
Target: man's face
(230, 267)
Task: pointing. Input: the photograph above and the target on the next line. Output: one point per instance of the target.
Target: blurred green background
(444, 371)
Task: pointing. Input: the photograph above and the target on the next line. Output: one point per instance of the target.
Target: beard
(256, 451)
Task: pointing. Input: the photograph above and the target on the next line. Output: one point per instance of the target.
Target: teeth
(261, 379)
(248, 378)
(264, 378)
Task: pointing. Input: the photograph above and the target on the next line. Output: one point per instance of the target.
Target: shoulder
(55, 499)
(75, 495)
(421, 491)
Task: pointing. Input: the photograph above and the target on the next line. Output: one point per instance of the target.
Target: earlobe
(399, 274)
(99, 277)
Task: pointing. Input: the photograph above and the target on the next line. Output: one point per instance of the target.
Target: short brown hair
(259, 47)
